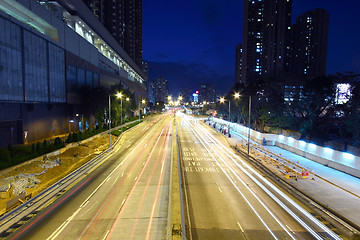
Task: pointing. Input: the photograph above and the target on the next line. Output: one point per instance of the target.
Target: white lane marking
(312, 218)
(219, 189)
(122, 202)
(115, 181)
(308, 228)
(87, 210)
(62, 226)
(240, 226)
(202, 140)
(107, 233)
(290, 229)
(84, 204)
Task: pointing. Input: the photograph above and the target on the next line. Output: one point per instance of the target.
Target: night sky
(193, 41)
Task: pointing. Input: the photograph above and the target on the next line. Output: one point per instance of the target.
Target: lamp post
(248, 150)
(222, 100)
(180, 98)
(143, 102)
(82, 121)
(109, 121)
(119, 95)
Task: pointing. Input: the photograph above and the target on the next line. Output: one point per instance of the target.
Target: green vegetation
(94, 101)
(13, 155)
(118, 132)
(311, 107)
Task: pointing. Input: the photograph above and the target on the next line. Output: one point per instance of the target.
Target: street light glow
(119, 95)
(169, 98)
(237, 95)
(143, 101)
(222, 99)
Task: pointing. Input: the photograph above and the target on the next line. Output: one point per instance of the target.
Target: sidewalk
(334, 189)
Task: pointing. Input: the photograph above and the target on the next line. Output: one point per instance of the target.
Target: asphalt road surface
(127, 196)
(124, 198)
(225, 199)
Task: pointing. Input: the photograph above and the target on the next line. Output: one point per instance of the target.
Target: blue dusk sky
(193, 41)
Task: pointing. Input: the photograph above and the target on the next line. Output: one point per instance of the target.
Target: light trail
(146, 188)
(233, 157)
(110, 196)
(158, 186)
(51, 209)
(131, 192)
(203, 141)
(58, 231)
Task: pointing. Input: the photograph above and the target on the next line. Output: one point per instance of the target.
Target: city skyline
(205, 50)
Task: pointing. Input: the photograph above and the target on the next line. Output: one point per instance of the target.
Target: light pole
(180, 98)
(222, 100)
(119, 95)
(248, 150)
(82, 121)
(143, 102)
(109, 121)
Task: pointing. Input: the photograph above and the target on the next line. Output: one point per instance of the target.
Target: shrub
(5, 156)
(33, 148)
(44, 144)
(38, 147)
(57, 142)
(116, 133)
(75, 137)
(69, 138)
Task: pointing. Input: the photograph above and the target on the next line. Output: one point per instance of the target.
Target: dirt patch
(70, 160)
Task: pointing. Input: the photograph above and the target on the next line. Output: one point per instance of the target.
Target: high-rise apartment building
(266, 27)
(123, 19)
(186, 94)
(309, 44)
(161, 90)
(207, 93)
(238, 63)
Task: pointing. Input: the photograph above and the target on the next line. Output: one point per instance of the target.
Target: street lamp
(71, 121)
(222, 100)
(119, 95)
(82, 121)
(143, 102)
(249, 125)
(237, 95)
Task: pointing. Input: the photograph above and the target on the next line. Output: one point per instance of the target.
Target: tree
(351, 109)
(313, 106)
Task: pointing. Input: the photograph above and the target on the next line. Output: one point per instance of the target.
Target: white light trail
(234, 157)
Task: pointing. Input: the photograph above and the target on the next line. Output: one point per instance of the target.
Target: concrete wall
(342, 161)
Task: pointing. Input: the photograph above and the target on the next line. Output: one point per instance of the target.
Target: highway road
(126, 197)
(226, 199)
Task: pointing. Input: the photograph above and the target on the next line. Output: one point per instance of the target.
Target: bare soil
(72, 159)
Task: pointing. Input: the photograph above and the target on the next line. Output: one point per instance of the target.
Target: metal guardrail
(53, 190)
